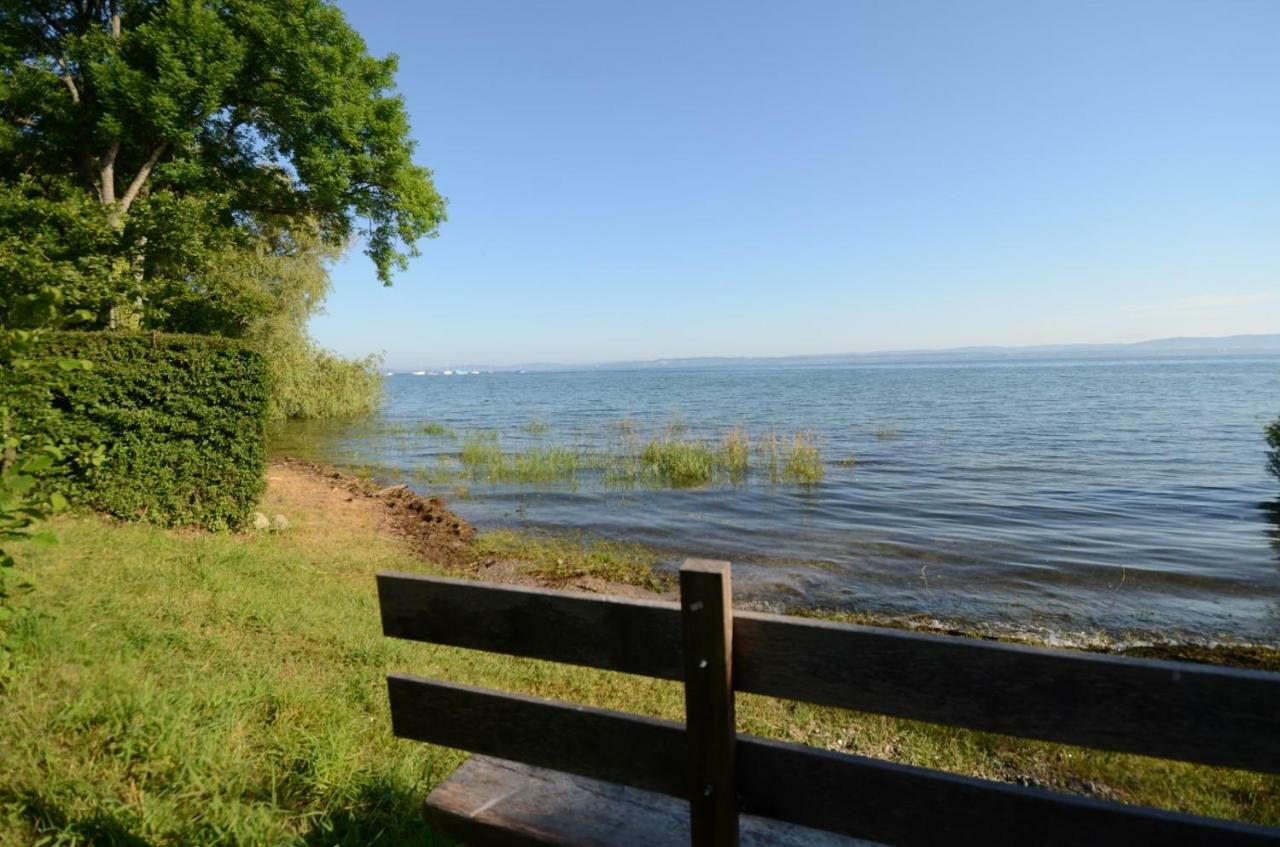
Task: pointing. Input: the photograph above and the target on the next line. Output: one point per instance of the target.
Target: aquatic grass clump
(682, 464)
(535, 427)
(543, 464)
(803, 459)
(735, 453)
(886, 432)
(480, 450)
(436, 430)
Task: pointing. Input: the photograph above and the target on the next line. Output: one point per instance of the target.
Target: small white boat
(475, 373)
(448, 373)
(419, 373)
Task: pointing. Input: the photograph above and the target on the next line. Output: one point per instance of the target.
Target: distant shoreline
(1181, 349)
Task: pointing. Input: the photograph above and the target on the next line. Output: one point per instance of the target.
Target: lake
(1073, 500)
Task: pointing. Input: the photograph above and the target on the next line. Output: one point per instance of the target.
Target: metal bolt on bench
(556, 773)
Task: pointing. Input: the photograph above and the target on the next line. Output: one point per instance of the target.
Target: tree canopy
(141, 140)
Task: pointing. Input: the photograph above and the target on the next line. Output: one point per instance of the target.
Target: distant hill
(1230, 345)
(1158, 348)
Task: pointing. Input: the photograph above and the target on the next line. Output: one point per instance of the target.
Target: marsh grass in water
(673, 459)
(535, 427)
(887, 432)
(436, 430)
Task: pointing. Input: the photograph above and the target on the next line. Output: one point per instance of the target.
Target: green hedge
(182, 419)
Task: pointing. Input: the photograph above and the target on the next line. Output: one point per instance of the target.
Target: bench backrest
(1204, 714)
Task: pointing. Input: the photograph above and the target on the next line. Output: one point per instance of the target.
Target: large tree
(142, 139)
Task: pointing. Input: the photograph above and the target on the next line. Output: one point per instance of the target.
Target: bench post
(706, 611)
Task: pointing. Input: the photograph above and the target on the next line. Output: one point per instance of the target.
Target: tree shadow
(99, 828)
(382, 813)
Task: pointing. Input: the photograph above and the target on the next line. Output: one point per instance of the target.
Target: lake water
(1065, 498)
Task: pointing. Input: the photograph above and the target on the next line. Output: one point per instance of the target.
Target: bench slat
(851, 795)
(490, 802)
(632, 636)
(1177, 710)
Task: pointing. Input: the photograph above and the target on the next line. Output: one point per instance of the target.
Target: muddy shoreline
(433, 533)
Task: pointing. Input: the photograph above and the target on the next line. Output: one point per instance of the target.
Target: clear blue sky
(646, 179)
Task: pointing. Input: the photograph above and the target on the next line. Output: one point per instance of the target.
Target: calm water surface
(1064, 498)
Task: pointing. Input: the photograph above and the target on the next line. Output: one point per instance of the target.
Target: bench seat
(489, 802)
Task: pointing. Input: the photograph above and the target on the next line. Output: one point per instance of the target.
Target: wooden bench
(556, 773)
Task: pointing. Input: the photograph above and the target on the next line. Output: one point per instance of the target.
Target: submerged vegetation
(674, 458)
(557, 559)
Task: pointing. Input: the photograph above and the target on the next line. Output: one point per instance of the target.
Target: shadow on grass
(383, 813)
(99, 827)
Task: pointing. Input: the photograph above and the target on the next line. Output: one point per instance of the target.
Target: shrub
(183, 420)
(1273, 439)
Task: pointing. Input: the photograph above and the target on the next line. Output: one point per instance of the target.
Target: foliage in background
(141, 139)
(1273, 439)
(27, 458)
(292, 277)
(193, 166)
(183, 419)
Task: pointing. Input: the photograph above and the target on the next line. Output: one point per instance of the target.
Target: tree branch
(140, 179)
(107, 171)
(69, 80)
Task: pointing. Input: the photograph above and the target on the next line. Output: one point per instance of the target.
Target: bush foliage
(1273, 439)
(182, 419)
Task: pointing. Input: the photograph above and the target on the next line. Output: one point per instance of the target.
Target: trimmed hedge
(182, 419)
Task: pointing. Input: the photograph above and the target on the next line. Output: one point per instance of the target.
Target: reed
(680, 464)
(535, 427)
(436, 430)
(481, 450)
(803, 459)
(735, 453)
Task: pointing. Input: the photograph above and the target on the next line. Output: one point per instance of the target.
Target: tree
(140, 140)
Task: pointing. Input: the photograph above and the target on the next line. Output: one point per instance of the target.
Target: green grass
(178, 688)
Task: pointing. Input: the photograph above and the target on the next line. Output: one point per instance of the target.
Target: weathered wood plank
(1177, 710)
(706, 602)
(852, 795)
(612, 746)
(491, 802)
(634, 636)
(916, 807)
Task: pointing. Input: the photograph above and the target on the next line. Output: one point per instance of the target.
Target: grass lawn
(187, 688)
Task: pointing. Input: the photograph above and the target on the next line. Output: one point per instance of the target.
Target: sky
(640, 180)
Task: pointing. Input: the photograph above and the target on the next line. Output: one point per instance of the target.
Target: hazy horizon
(1270, 346)
(665, 180)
